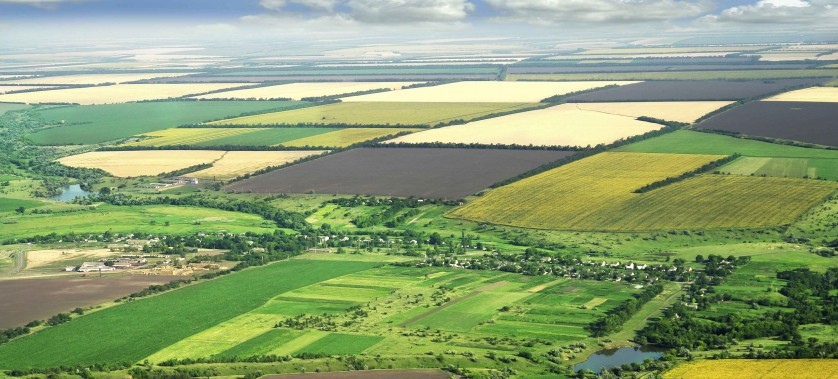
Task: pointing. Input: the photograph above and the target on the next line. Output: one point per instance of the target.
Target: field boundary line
(438, 309)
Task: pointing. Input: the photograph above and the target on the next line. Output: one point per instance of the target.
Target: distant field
(346, 137)
(298, 91)
(429, 173)
(756, 369)
(692, 142)
(692, 90)
(5, 107)
(189, 136)
(341, 344)
(810, 122)
(669, 50)
(784, 167)
(375, 113)
(100, 123)
(814, 94)
(120, 93)
(93, 78)
(562, 125)
(681, 111)
(685, 75)
(5, 89)
(141, 163)
(483, 92)
(236, 163)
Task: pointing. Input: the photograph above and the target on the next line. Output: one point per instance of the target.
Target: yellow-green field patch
(346, 137)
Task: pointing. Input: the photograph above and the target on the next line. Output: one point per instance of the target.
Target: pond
(71, 192)
(618, 357)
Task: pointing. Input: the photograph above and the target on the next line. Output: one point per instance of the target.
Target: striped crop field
(756, 369)
(596, 193)
(189, 136)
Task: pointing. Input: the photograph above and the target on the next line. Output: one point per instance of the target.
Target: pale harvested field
(188, 136)
(814, 95)
(671, 50)
(681, 111)
(756, 369)
(94, 78)
(120, 93)
(236, 163)
(297, 91)
(562, 125)
(40, 258)
(4, 89)
(635, 56)
(484, 92)
(141, 163)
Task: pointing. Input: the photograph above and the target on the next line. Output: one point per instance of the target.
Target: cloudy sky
(314, 16)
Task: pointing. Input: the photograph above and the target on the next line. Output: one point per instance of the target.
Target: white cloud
(804, 12)
(47, 4)
(598, 11)
(373, 11)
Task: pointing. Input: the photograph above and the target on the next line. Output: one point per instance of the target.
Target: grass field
(5, 107)
(120, 93)
(562, 125)
(8, 204)
(784, 167)
(298, 91)
(100, 123)
(341, 344)
(577, 197)
(669, 50)
(78, 341)
(814, 94)
(346, 137)
(692, 142)
(142, 163)
(237, 163)
(683, 75)
(375, 113)
(756, 369)
(681, 111)
(189, 136)
(482, 92)
(93, 78)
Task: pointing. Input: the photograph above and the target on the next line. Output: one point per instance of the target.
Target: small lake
(618, 357)
(71, 192)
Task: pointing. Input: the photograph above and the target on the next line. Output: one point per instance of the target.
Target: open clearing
(428, 173)
(756, 369)
(346, 137)
(562, 125)
(692, 90)
(681, 111)
(141, 163)
(100, 123)
(298, 91)
(237, 163)
(26, 300)
(228, 136)
(93, 78)
(596, 193)
(814, 94)
(120, 93)
(375, 113)
(483, 92)
(797, 121)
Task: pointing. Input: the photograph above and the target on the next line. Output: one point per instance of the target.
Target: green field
(150, 324)
(784, 167)
(692, 142)
(101, 123)
(208, 137)
(384, 113)
(8, 205)
(346, 137)
(269, 137)
(683, 75)
(262, 344)
(341, 344)
(5, 107)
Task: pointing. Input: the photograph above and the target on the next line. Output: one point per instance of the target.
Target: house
(94, 267)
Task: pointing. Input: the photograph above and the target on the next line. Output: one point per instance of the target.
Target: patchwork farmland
(483, 92)
(238, 163)
(428, 173)
(91, 78)
(813, 94)
(120, 93)
(297, 91)
(142, 163)
(680, 111)
(711, 90)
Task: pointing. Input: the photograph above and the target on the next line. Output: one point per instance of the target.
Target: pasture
(11, 204)
(6, 107)
(808, 122)
(346, 137)
(101, 123)
(562, 125)
(142, 163)
(684, 75)
(238, 163)
(379, 113)
(813, 94)
(92, 79)
(755, 369)
(298, 91)
(710, 90)
(428, 173)
(483, 92)
(783, 167)
(680, 111)
(693, 142)
(120, 93)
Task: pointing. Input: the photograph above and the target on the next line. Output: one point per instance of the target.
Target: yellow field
(484, 92)
(562, 125)
(119, 93)
(596, 193)
(346, 137)
(297, 91)
(188, 136)
(4, 89)
(756, 369)
(814, 94)
(93, 78)
(681, 111)
(141, 163)
(237, 163)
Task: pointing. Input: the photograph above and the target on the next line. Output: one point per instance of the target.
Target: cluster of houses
(103, 265)
(179, 181)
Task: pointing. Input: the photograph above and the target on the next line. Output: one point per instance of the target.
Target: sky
(295, 17)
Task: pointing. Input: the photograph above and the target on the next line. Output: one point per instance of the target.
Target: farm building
(94, 267)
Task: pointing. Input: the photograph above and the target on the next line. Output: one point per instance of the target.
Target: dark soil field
(798, 121)
(650, 68)
(419, 172)
(369, 374)
(321, 78)
(692, 90)
(25, 300)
